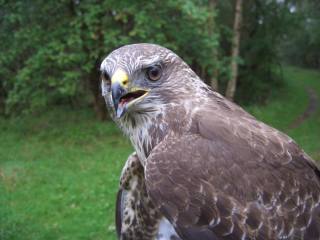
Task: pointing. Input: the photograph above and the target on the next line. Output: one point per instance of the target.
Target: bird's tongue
(123, 105)
(125, 101)
(121, 108)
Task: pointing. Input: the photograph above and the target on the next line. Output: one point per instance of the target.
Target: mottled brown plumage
(135, 209)
(207, 166)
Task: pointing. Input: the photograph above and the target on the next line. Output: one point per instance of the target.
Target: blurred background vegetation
(60, 164)
(51, 51)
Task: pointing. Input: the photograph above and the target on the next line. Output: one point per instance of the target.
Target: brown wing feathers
(223, 184)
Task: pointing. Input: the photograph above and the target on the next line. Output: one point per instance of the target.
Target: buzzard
(203, 167)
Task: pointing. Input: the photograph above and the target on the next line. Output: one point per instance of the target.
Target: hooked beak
(122, 96)
(117, 92)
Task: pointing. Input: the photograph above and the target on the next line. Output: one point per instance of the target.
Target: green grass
(59, 171)
(291, 101)
(59, 174)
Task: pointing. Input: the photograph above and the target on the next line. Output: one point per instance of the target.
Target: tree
(231, 88)
(56, 47)
(265, 25)
(302, 45)
(51, 50)
(214, 81)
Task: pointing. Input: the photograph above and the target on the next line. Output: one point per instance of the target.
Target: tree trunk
(232, 84)
(99, 104)
(214, 82)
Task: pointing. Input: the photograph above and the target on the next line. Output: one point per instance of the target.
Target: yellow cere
(121, 77)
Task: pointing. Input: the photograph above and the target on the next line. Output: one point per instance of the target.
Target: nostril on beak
(125, 82)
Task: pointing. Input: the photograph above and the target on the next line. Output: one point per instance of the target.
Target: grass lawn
(59, 172)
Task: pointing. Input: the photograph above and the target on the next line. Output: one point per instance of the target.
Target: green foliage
(263, 33)
(53, 54)
(51, 50)
(302, 45)
(40, 66)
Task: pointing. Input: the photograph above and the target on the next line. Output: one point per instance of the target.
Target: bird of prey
(203, 168)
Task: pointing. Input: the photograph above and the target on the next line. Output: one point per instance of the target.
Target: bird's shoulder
(230, 174)
(228, 124)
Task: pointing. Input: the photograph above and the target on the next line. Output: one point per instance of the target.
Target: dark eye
(105, 78)
(154, 72)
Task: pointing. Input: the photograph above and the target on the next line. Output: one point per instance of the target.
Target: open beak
(117, 92)
(122, 96)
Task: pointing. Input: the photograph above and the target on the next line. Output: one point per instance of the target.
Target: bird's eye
(105, 78)
(154, 72)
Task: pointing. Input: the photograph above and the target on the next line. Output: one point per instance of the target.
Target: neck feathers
(147, 130)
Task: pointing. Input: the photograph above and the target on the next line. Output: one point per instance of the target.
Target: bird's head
(141, 78)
